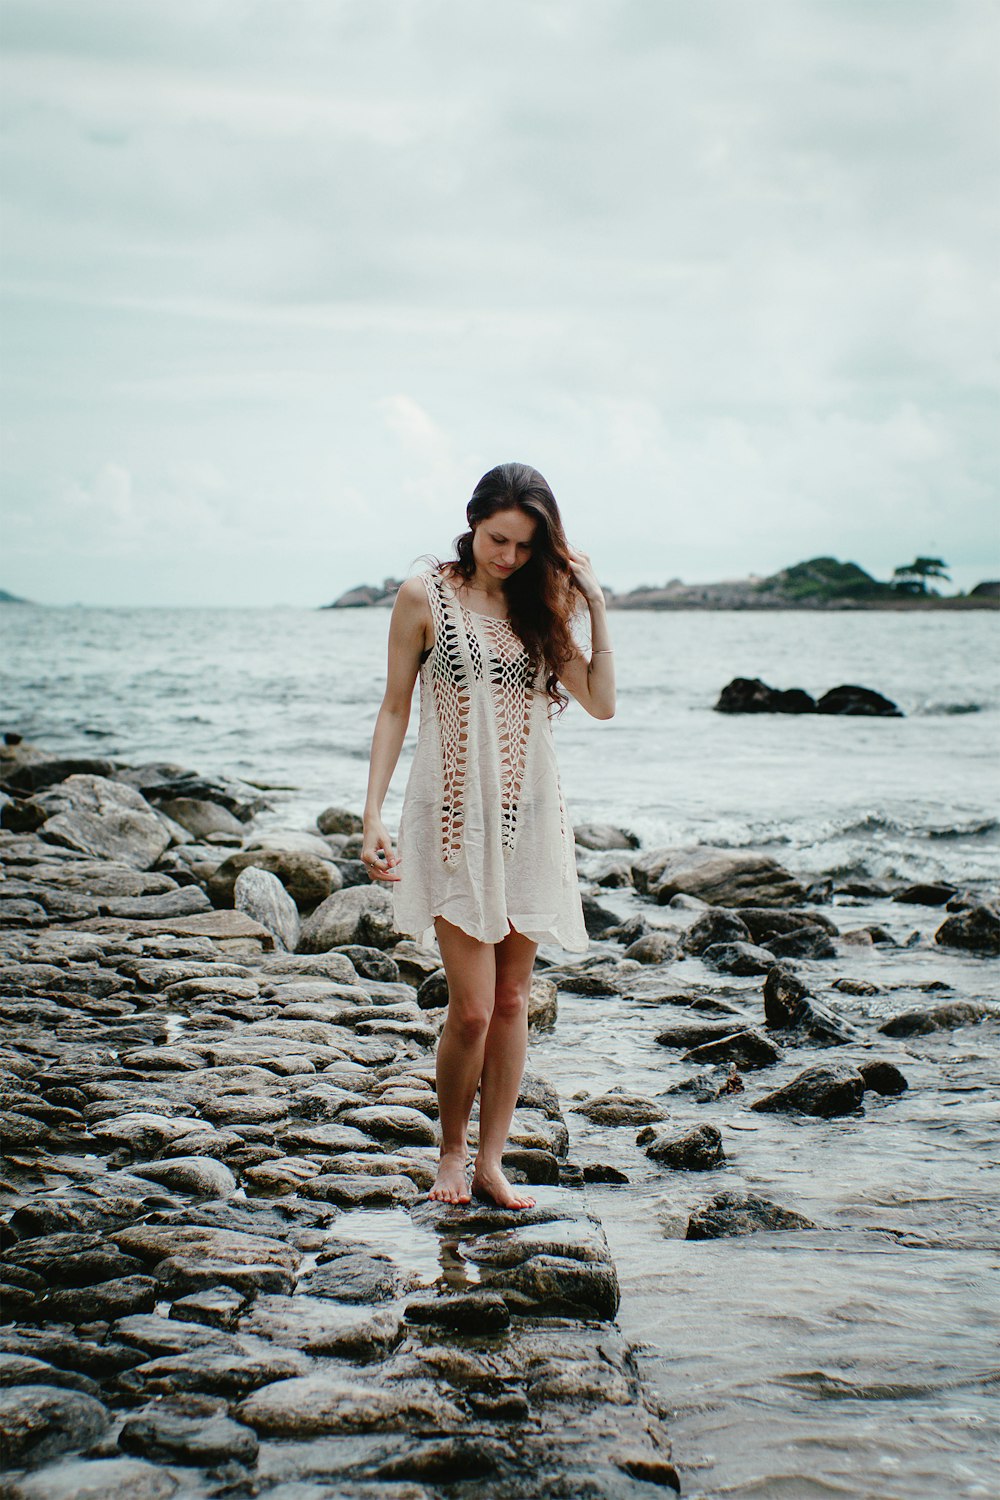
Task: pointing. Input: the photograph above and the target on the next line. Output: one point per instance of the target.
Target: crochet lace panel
(507, 667)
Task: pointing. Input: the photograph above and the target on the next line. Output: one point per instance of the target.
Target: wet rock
(767, 922)
(925, 893)
(262, 896)
(613, 873)
(25, 1369)
(788, 1006)
(826, 1089)
(322, 1327)
(200, 1176)
(688, 1034)
(154, 1242)
(748, 1049)
(597, 918)
(883, 1077)
(739, 958)
(855, 986)
(334, 1403)
(181, 1275)
(698, 1150)
(552, 1286)
(604, 836)
(652, 948)
(714, 926)
(306, 879)
(188, 1430)
(102, 818)
(720, 876)
(355, 1276)
(355, 1190)
(469, 1312)
(393, 1123)
(749, 695)
(532, 1166)
(600, 1171)
(947, 1017)
(37, 1422)
(542, 1005)
(214, 1306)
(803, 942)
(94, 1479)
(732, 1213)
(359, 915)
(622, 1108)
(976, 929)
(146, 1133)
(324, 1137)
(287, 967)
(848, 698)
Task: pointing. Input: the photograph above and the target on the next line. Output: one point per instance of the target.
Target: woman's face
(502, 543)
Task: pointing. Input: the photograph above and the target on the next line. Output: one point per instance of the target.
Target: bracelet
(604, 651)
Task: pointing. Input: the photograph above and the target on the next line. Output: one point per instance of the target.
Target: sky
(280, 279)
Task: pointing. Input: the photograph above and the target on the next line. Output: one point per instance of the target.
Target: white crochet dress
(484, 839)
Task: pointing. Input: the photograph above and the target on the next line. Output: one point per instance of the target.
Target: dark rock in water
(722, 877)
(803, 942)
(616, 1108)
(188, 1430)
(599, 1171)
(977, 929)
(749, 695)
(688, 1034)
(855, 986)
(715, 926)
(604, 836)
(826, 1089)
(767, 922)
(32, 775)
(652, 948)
(883, 1077)
(699, 1150)
(937, 1018)
(470, 1312)
(925, 893)
(788, 1006)
(38, 1422)
(733, 1213)
(746, 1048)
(851, 699)
(597, 917)
(739, 958)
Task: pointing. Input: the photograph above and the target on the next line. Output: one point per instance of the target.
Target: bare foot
(490, 1182)
(450, 1185)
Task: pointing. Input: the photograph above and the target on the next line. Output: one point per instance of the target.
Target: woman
(486, 856)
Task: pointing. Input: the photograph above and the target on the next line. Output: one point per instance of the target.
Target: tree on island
(912, 577)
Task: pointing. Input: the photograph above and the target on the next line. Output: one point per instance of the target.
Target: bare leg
(471, 970)
(503, 1066)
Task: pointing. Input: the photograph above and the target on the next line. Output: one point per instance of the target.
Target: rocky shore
(221, 1272)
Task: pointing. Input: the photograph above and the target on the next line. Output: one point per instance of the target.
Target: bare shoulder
(411, 608)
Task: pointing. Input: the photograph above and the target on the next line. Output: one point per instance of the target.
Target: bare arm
(407, 640)
(592, 682)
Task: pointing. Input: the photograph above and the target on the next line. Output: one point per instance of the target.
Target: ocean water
(855, 1360)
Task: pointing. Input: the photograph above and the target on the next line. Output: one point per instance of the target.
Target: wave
(937, 710)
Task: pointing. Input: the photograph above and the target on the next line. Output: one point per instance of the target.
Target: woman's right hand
(377, 853)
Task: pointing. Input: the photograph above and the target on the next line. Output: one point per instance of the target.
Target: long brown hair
(541, 594)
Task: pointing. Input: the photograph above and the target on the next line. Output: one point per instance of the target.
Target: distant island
(819, 583)
(6, 598)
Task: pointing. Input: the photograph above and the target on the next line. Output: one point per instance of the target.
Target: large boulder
(604, 836)
(722, 877)
(848, 698)
(307, 880)
(749, 695)
(201, 817)
(826, 1089)
(977, 929)
(361, 914)
(102, 818)
(262, 896)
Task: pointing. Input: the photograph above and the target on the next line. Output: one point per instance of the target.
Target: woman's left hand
(584, 577)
